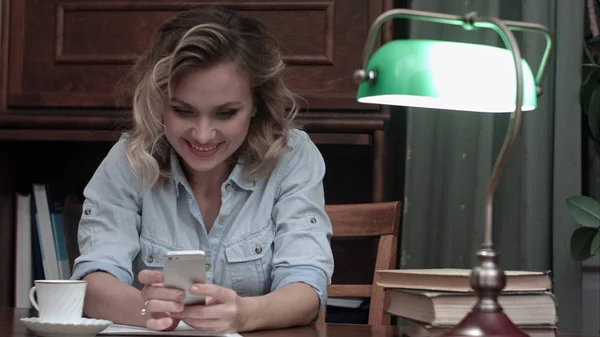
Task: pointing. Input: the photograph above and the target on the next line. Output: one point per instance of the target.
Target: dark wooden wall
(64, 94)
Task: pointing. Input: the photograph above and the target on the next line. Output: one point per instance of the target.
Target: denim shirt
(269, 232)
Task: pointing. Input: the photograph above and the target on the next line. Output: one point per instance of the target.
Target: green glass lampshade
(446, 75)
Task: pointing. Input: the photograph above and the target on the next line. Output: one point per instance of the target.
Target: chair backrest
(367, 220)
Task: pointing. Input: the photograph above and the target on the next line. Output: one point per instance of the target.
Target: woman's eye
(182, 111)
(226, 113)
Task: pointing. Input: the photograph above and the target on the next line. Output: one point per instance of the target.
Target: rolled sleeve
(108, 234)
(301, 247)
(314, 277)
(86, 267)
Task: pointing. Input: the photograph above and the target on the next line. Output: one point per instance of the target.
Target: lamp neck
(513, 127)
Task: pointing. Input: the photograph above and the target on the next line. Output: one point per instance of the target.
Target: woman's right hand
(160, 301)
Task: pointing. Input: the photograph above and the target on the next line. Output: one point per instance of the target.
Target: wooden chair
(367, 220)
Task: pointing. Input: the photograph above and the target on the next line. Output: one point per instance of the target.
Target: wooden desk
(10, 326)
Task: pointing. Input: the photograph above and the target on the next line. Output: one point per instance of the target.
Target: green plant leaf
(593, 113)
(581, 243)
(595, 245)
(585, 210)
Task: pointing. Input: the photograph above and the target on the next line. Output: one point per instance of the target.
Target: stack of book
(435, 300)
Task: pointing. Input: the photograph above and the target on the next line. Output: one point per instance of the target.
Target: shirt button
(221, 220)
(258, 249)
(312, 219)
(87, 211)
(228, 187)
(207, 267)
(149, 259)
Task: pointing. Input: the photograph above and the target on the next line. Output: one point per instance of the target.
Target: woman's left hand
(223, 311)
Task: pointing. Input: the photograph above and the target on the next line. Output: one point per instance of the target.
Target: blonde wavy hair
(199, 38)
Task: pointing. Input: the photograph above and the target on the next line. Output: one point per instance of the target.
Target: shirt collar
(240, 178)
(237, 175)
(177, 174)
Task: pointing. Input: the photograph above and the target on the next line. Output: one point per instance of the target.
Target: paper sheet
(181, 330)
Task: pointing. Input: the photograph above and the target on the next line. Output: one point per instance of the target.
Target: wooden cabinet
(64, 90)
(76, 54)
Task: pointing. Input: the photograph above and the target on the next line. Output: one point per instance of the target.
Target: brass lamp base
(487, 317)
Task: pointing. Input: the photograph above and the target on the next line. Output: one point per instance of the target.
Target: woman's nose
(204, 131)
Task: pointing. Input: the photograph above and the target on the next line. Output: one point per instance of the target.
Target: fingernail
(195, 288)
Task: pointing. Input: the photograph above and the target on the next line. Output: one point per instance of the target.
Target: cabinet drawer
(77, 53)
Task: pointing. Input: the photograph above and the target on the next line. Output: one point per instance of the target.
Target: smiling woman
(208, 117)
(213, 163)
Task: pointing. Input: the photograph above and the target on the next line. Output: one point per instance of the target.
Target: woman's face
(208, 118)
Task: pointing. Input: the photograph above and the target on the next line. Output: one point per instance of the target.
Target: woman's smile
(202, 151)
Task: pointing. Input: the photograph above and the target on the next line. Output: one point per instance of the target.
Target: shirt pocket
(250, 260)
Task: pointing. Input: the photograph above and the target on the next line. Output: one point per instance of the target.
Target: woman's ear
(254, 110)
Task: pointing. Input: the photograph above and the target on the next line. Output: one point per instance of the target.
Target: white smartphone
(184, 268)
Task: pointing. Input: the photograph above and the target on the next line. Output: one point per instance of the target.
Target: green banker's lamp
(467, 77)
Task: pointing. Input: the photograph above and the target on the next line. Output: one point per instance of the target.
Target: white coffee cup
(58, 301)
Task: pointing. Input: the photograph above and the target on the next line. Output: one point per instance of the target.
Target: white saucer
(87, 327)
